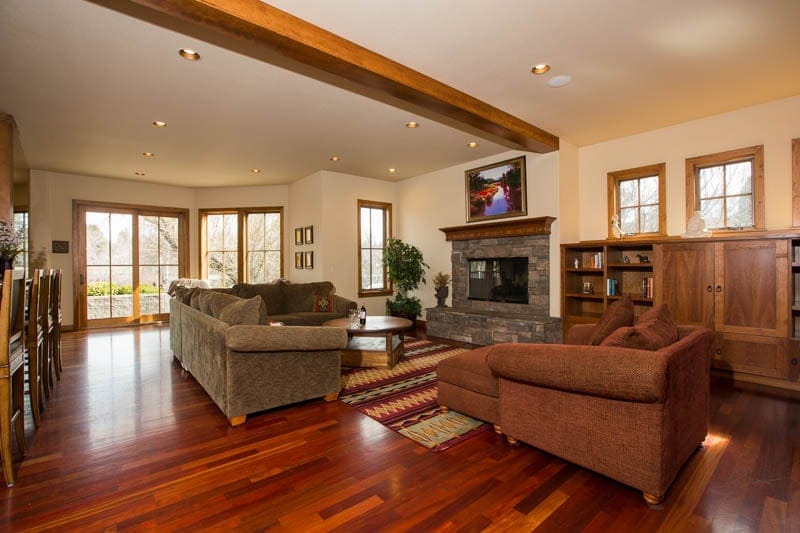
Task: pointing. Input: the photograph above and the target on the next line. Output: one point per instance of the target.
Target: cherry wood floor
(130, 442)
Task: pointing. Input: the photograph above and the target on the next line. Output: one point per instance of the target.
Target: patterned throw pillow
(654, 330)
(323, 303)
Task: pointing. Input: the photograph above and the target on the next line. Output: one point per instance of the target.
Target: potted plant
(10, 245)
(440, 283)
(405, 268)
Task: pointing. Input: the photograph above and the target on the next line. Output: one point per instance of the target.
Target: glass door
(128, 256)
(109, 268)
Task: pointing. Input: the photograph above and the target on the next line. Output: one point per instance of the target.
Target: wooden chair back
(34, 342)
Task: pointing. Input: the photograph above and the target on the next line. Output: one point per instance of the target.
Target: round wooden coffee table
(377, 344)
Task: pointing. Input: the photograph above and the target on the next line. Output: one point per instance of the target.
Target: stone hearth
(487, 322)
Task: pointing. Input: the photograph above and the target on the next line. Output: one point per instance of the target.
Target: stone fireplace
(486, 321)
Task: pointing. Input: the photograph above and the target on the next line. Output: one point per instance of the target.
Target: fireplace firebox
(498, 279)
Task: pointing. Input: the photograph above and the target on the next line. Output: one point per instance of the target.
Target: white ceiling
(84, 83)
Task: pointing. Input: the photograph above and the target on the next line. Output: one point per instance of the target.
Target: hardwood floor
(129, 442)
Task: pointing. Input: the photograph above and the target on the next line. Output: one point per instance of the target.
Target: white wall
(51, 195)
(437, 199)
(305, 199)
(773, 124)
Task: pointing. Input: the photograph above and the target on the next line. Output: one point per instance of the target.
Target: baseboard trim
(760, 380)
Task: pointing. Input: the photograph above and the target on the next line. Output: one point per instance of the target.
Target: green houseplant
(405, 268)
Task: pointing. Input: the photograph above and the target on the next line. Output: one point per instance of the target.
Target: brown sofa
(633, 415)
(293, 303)
(246, 366)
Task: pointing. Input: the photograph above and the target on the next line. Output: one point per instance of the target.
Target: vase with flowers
(10, 245)
(440, 284)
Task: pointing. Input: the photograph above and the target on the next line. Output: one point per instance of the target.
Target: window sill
(369, 294)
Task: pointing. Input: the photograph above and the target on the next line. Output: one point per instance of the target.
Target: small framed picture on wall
(309, 235)
(298, 236)
(309, 260)
(298, 260)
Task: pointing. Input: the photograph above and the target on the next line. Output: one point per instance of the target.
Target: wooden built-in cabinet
(744, 287)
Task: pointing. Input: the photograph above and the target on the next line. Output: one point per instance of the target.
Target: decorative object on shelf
(309, 234)
(577, 263)
(626, 259)
(696, 226)
(308, 261)
(496, 191)
(615, 227)
(405, 268)
(642, 258)
(298, 260)
(298, 236)
(10, 245)
(440, 284)
(588, 288)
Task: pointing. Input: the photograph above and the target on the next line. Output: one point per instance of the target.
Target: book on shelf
(647, 287)
(596, 261)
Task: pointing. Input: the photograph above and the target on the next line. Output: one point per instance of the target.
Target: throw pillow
(204, 301)
(618, 315)
(250, 312)
(323, 303)
(219, 301)
(654, 330)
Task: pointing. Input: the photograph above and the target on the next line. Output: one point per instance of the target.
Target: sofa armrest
(284, 338)
(579, 334)
(609, 372)
(341, 304)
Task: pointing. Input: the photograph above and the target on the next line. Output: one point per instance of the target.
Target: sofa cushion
(618, 315)
(194, 297)
(271, 293)
(470, 370)
(251, 312)
(654, 330)
(300, 296)
(204, 301)
(323, 303)
(305, 319)
(219, 301)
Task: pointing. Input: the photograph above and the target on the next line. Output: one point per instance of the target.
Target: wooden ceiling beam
(265, 26)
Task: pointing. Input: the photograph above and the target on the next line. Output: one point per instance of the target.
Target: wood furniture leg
(650, 499)
(512, 441)
(331, 396)
(237, 420)
(5, 430)
(18, 407)
(497, 429)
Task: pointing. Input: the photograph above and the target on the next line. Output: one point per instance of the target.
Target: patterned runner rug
(404, 398)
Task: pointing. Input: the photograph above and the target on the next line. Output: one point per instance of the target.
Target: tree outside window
(374, 229)
(636, 196)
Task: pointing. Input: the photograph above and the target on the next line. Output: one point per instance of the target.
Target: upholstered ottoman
(467, 385)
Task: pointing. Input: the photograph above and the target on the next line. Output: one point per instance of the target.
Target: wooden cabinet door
(684, 278)
(751, 287)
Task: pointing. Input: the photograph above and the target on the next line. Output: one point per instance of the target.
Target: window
(727, 188)
(241, 245)
(374, 229)
(637, 197)
(21, 226)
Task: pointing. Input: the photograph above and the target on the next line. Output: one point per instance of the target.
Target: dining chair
(55, 321)
(34, 343)
(46, 368)
(12, 370)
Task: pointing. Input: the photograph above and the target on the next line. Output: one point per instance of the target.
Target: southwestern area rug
(404, 398)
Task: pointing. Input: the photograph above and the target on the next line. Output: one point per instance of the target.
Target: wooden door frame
(79, 208)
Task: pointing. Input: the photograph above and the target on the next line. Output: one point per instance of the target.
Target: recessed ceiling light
(540, 68)
(392, 170)
(255, 170)
(412, 124)
(159, 124)
(189, 54)
(334, 158)
(139, 173)
(472, 144)
(559, 81)
(148, 154)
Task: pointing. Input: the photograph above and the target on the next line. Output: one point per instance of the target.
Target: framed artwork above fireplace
(496, 191)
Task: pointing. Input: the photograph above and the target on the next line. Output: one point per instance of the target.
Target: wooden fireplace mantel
(493, 230)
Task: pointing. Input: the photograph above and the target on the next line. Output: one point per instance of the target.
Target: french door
(125, 258)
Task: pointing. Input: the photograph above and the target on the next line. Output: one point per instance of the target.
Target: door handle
(709, 288)
(719, 288)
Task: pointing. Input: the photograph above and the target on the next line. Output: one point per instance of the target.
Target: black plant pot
(441, 295)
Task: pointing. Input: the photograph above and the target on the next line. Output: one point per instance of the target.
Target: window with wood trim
(727, 188)
(374, 229)
(637, 197)
(241, 245)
